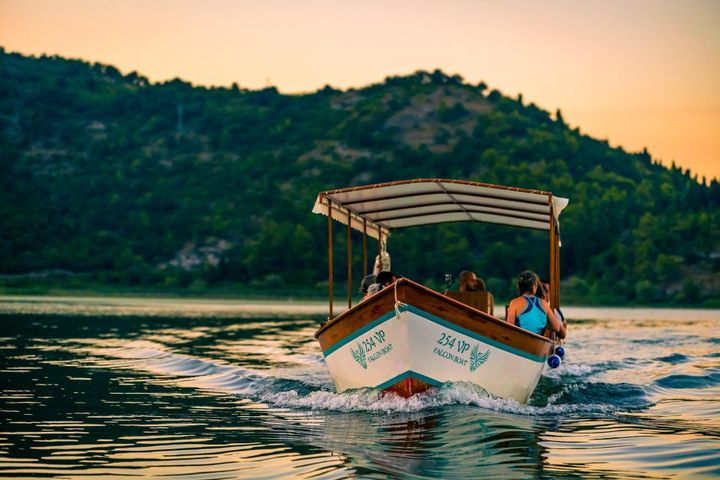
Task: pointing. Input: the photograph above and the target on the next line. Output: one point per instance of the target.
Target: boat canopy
(376, 209)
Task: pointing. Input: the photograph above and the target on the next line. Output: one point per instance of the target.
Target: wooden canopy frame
(377, 208)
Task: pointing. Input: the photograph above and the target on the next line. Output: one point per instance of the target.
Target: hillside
(114, 179)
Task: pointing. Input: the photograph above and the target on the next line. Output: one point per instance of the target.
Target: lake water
(203, 389)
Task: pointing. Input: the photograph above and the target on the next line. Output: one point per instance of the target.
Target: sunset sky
(639, 73)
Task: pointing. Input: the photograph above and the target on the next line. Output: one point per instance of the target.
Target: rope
(398, 303)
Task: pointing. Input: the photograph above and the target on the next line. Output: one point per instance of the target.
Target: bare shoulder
(517, 303)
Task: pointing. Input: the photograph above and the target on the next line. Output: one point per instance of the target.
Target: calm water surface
(115, 388)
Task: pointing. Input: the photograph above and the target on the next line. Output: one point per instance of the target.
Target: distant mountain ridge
(128, 182)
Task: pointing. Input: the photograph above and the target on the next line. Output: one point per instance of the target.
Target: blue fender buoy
(560, 352)
(554, 361)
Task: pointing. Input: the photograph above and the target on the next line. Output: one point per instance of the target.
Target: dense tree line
(128, 182)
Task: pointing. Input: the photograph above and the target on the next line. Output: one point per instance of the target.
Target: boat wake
(561, 391)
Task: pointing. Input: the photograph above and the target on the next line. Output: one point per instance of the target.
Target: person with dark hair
(469, 282)
(386, 278)
(544, 292)
(382, 280)
(530, 312)
(472, 292)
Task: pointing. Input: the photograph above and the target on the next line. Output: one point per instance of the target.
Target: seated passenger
(386, 278)
(373, 289)
(469, 282)
(383, 279)
(365, 285)
(530, 312)
(542, 291)
(473, 292)
(545, 293)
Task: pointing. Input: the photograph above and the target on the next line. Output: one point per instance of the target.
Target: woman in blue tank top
(532, 313)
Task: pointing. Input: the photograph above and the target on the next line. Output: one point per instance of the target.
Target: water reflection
(217, 397)
(454, 442)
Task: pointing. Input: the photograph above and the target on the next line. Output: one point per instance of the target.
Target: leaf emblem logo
(477, 358)
(359, 355)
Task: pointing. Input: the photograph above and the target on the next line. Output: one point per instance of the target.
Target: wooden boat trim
(434, 307)
(355, 318)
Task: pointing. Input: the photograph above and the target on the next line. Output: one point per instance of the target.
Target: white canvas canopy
(384, 206)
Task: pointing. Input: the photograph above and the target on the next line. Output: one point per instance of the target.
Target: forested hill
(113, 179)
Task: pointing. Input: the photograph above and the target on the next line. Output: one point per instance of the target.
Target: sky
(644, 73)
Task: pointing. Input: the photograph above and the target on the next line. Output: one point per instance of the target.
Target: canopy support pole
(557, 269)
(349, 260)
(364, 247)
(330, 259)
(554, 292)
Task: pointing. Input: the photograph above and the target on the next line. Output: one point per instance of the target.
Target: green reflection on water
(207, 396)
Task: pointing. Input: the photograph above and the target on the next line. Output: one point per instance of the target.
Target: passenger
(473, 292)
(365, 285)
(386, 278)
(469, 282)
(373, 289)
(530, 312)
(383, 279)
(542, 291)
(546, 293)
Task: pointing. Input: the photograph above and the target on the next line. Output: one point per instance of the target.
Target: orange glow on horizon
(639, 74)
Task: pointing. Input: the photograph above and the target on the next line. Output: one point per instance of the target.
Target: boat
(408, 338)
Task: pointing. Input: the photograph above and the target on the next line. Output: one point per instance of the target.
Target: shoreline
(289, 295)
(127, 304)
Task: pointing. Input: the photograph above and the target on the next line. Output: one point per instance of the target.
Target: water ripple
(217, 396)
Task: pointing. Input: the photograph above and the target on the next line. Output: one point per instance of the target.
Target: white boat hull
(425, 347)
